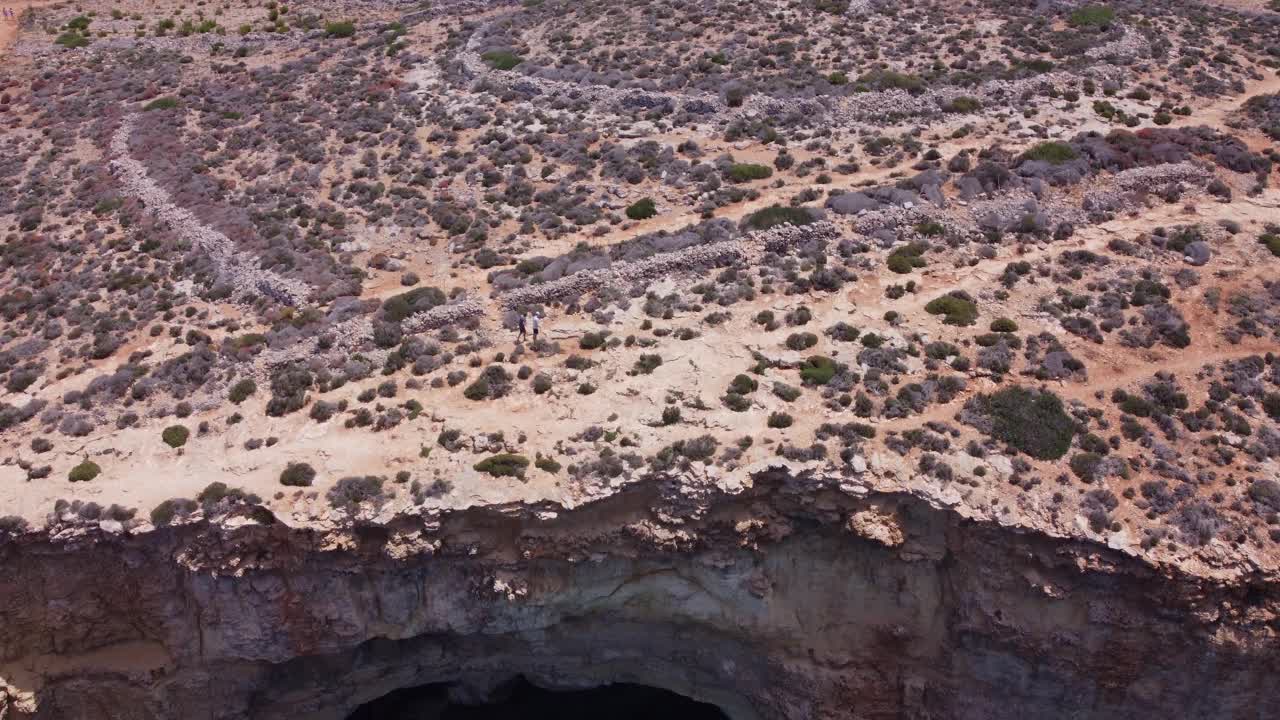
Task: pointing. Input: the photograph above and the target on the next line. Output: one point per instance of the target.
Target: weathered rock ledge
(784, 600)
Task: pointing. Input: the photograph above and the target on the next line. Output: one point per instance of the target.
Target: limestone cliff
(788, 600)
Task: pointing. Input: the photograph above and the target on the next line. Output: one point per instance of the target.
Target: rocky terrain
(894, 359)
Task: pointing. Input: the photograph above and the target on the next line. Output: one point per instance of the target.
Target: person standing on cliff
(537, 324)
(521, 334)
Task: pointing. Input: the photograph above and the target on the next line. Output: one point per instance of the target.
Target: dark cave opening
(521, 699)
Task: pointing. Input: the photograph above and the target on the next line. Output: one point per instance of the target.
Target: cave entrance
(522, 700)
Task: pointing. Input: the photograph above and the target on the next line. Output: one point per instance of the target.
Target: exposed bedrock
(774, 603)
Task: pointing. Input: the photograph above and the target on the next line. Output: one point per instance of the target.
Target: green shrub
(503, 465)
(744, 172)
(72, 40)
(779, 420)
(838, 78)
(341, 29)
(164, 103)
(647, 363)
(547, 464)
(1085, 464)
(962, 105)
(1092, 15)
(890, 80)
(541, 384)
(586, 388)
(1266, 491)
(297, 475)
(778, 215)
(1033, 422)
(1271, 241)
(907, 257)
(501, 59)
(642, 209)
(1004, 325)
(736, 402)
(175, 436)
(957, 310)
(1271, 405)
(84, 472)
(786, 392)
(930, 228)
(242, 390)
(817, 370)
(743, 384)
(417, 300)
(493, 383)
(670, 415)
(1039, 65)
(592, 340)
(871, 340)
(350, 493)
(1054, 153)
(164, 513)
(801, 341)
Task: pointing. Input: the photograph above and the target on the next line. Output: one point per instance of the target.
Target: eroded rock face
(825, 605)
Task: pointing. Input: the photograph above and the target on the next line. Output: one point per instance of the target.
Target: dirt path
(1216, 113)
(9, 26)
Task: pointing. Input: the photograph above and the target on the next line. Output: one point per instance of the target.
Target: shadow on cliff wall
(521, 700)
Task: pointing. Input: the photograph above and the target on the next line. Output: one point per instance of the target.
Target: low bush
(1054, 153)
(503, 465)
(778, 215)
(1271, 241)
(779, 420)
(1032, 421)
(963, 104)
(72, 40)
(1085, 464)
(1004, 325)
(745, 172)
(340, 29)
(84, 472)
(175, 436)
(890, 80)
(785, 392)
(801, 341)
(242, 390)
(955, 309)
(417, 300)
(743, 384)
(541, 384)
(165, 513)
(164, 103)
(647, 363)
(297, 475)
(501, 59)
(350, 493)
(906, 258)
(642, 209)
(1092, 16)
(817, 370)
